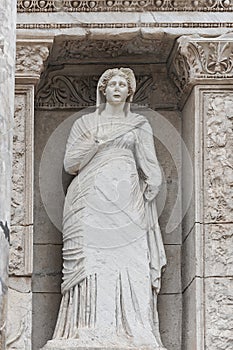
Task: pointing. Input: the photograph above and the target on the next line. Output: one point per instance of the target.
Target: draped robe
(112, 247)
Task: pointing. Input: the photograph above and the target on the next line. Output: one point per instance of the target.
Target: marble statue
(113, 252)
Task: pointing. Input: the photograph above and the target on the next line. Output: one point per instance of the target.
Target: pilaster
(30, 57)
(202, 70)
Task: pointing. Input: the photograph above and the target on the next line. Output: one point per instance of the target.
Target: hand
(151, 192)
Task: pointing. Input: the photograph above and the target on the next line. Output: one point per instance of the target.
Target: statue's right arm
(80, 148)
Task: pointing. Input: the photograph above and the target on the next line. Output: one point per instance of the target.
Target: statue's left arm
(147, 161)
(152, 178)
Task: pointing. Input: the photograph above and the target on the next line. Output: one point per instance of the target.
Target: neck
(114, 110)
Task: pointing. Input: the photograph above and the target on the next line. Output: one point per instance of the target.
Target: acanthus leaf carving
(197, 59)
(30, 58)
(74, 92)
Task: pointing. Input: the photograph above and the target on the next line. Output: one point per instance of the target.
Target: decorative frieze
(120, 25)
(123, 5)
(198, 60)
(73, 51)
(74, 92)
(218, 158)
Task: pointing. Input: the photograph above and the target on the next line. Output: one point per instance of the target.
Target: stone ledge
(54, 344)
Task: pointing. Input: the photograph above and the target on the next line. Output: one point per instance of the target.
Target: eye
(112, 84)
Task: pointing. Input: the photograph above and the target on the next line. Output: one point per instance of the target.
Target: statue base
(74, 344)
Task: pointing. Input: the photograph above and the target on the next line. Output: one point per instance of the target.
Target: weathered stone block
(218, 159)
(219, 313)
(47, 268)
(19, 326)
(193, 316)
(192, 256)
(171, 278)
(45, 309)
(218, 250)
(170, 315)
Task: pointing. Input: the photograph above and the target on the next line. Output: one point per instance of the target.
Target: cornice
(124, 5)
(201, 60)
(185, 25)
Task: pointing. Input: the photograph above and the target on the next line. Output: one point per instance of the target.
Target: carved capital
(201, 60)
(30, 58)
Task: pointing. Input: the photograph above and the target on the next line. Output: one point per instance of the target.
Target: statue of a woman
(112, 247)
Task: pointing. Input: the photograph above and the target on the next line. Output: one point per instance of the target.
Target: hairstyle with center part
(126, 73)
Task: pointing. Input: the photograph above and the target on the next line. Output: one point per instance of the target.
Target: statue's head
(126, 73)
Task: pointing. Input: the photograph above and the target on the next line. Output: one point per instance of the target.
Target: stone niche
(67, 85)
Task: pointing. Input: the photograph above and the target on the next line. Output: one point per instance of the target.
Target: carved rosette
(30, 58)
(126, 5)
(197, 60)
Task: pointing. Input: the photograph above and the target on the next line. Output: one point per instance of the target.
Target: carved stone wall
(22, 183)
(7, 55)
(207, 242)
(21, 249)
(30, 57)
(91, 32)
(218, 216)
(66, 88)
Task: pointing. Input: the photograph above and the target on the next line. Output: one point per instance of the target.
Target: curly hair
(126, 73)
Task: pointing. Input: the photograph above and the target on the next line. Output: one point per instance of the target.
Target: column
(30, 57)
(7, 62)
(202, 70)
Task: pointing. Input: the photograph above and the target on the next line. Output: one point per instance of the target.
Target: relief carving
(71, 92)
(196, 58)
(218, 247)
(118, 5)
(218, 157)
(30, 58)
(22, 202)
(99, 49)
(113, 240)
(19, 321)
(219, 313)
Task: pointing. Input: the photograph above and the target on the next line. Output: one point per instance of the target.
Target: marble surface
(7, 63)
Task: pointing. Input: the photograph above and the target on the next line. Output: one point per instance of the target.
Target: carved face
(117, 90)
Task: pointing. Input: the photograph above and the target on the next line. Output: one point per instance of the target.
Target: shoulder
(144, 123)
(85, 120)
